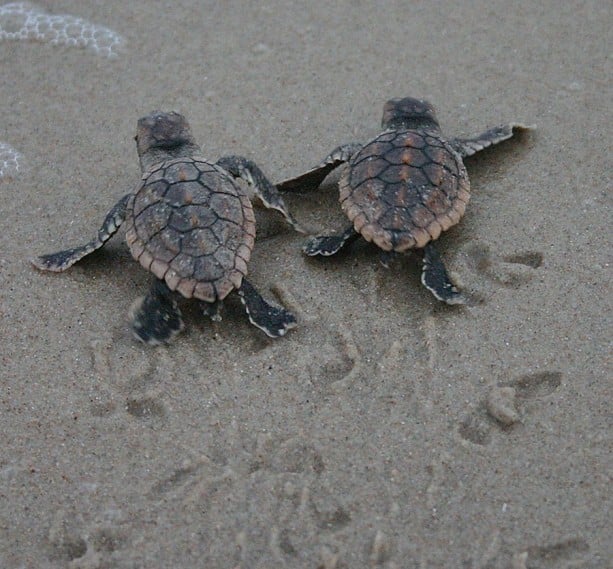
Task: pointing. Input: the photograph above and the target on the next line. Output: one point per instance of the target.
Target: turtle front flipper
(156, 318)
(312, 179)
(273, 320)
(327, 245)
(240, 167)
(469, 146)
(62, 260)
(435, 278)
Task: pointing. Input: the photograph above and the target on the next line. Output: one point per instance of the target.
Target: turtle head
(409, 113)
(162, 136)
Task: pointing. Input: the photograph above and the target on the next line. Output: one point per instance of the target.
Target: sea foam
(9, 160)
(25, 21)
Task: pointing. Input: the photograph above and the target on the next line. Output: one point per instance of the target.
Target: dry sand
(387, 430)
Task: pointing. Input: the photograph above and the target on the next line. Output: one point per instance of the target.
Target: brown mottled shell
(190, 225)
(404, 188)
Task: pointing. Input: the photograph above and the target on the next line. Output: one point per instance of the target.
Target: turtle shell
(190, 225)
(402, 189)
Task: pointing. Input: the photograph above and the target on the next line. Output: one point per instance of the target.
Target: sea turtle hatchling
(402, 189)
(190, 224)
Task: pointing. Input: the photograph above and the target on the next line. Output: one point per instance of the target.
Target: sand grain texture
(365, 437)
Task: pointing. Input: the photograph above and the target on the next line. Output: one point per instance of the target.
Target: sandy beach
(387, 429)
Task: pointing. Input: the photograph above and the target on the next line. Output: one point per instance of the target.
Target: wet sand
(387, 430)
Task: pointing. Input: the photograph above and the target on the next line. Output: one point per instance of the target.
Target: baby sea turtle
(402, 189)
(190, 224)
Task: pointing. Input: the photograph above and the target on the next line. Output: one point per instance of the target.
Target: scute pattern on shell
(404, 188)
(191, 226)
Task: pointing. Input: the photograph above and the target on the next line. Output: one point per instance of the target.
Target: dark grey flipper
(312, 179)
(62, 260)
(247, 170)
(156, 317)
(327, 245)
(469, 146)
(273, 320)
(435, 278)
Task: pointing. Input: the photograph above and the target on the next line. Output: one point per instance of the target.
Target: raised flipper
(156, 318)
(62, 260)
(248, 171)
(327, 245)
(469, 146)
(435, 278)
(312, 179)
(273, 320)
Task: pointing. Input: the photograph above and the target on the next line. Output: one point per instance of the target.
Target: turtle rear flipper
(312, 179)
(435, 278)
(469, 146)
(62, 260)
(156, 317)
(273, 320)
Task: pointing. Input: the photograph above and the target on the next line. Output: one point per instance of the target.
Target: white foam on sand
(25, 21)
(9, 160)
